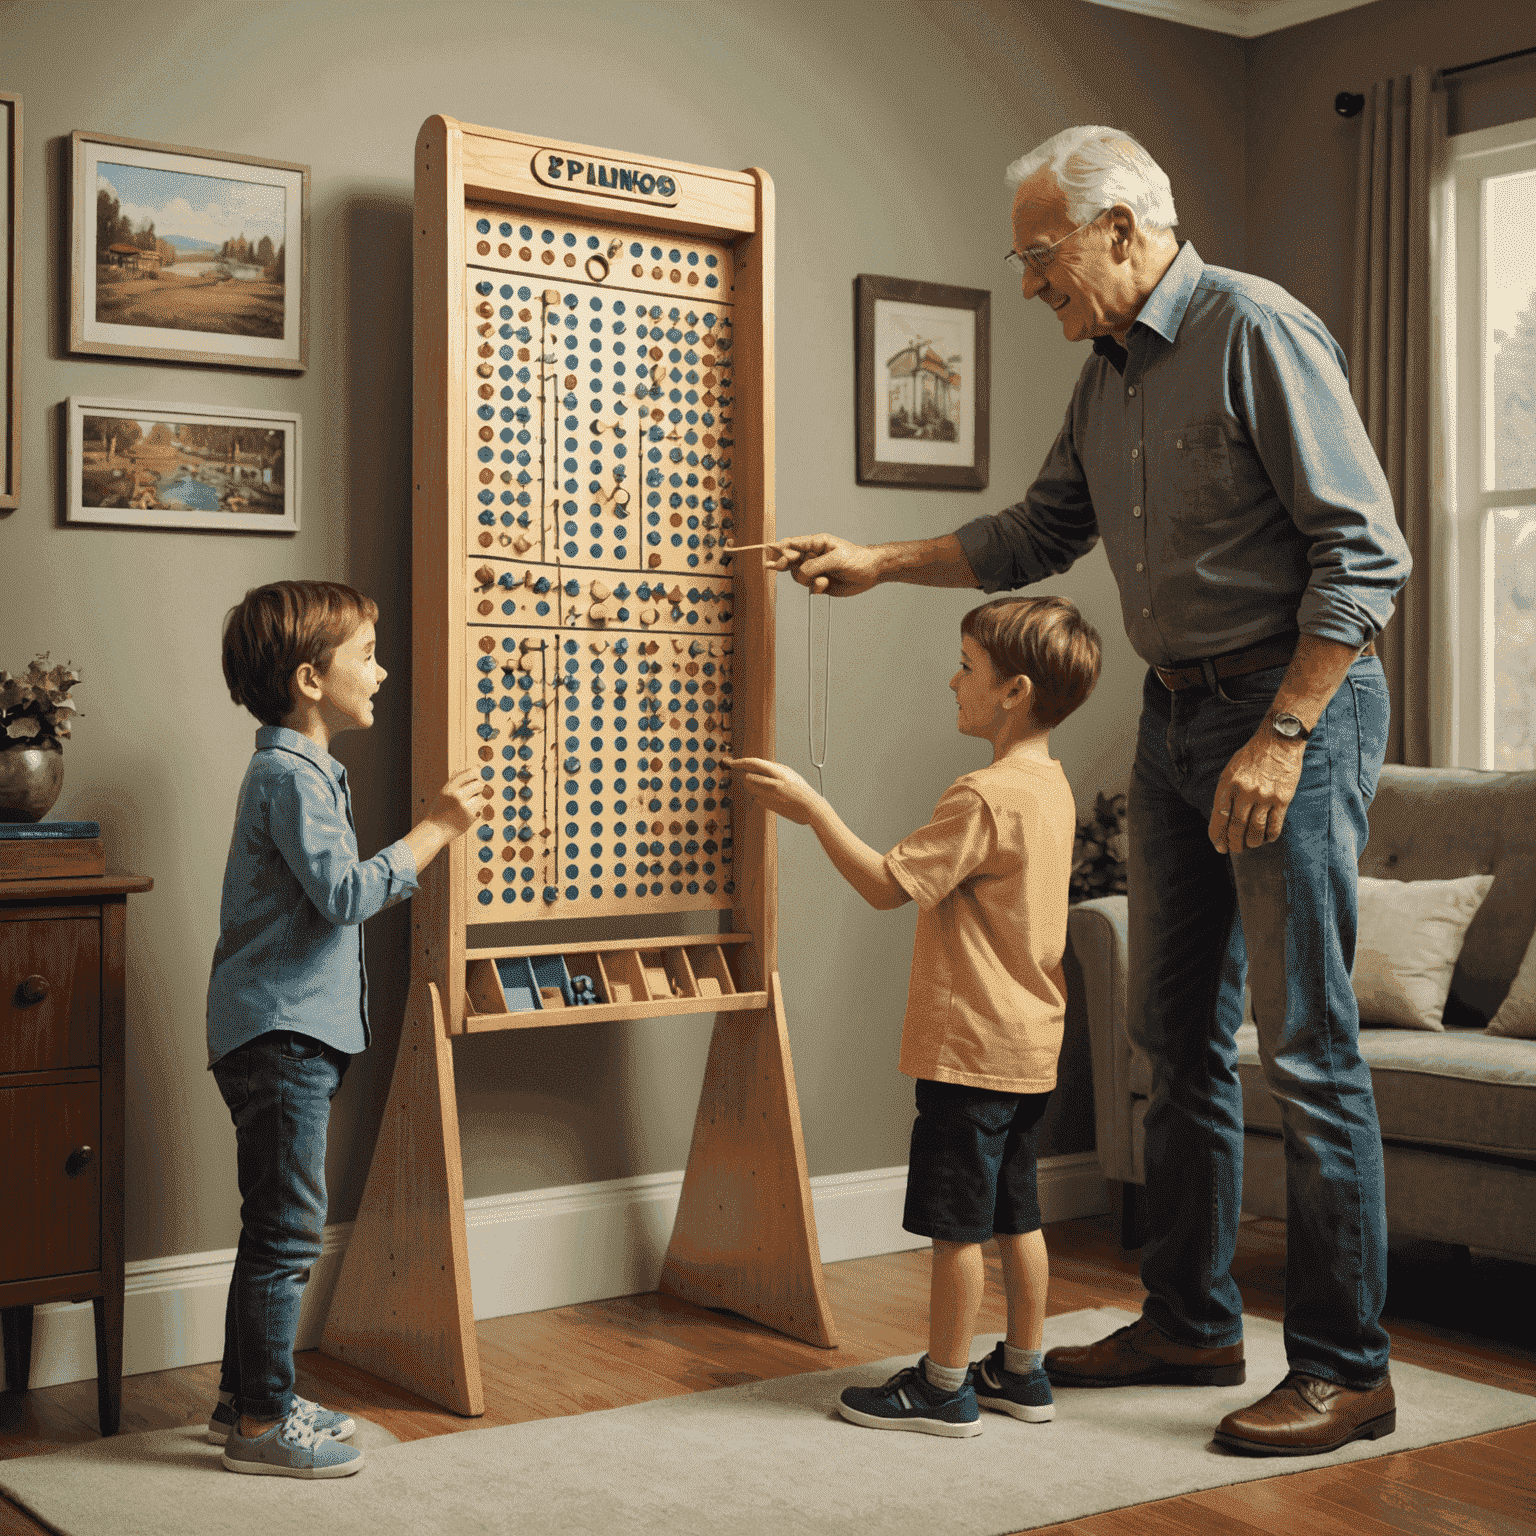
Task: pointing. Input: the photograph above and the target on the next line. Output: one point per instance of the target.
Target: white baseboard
(527, 1252)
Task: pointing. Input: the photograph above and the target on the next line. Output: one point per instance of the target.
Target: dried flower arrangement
(35, 708)
(1100, 851)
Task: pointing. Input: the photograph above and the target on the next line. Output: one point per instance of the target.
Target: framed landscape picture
(149, 464)
(188, 255)
(922, 371)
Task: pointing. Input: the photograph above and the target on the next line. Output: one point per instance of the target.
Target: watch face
(1289, 725)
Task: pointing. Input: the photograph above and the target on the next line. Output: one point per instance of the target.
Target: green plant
(36, 708)
(1100, 850)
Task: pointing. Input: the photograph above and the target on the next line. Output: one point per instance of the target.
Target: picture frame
(922, 383)
(160, 464)
(10, 275)
(188, 255)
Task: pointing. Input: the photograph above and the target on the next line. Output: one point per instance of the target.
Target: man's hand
(457, 807)
(1255, 791)
(779, 789)
(827, 563)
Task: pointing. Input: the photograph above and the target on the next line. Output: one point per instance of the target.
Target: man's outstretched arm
(825, 563)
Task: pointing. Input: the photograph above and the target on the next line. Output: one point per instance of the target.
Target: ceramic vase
(30, 780)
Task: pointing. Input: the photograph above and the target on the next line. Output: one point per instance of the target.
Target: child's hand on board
(458, 803)
(777, 788)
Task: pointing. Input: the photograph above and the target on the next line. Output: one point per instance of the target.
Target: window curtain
(1395, 377)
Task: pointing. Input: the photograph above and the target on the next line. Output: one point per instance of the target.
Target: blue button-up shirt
(290, 951)
(1221, 458)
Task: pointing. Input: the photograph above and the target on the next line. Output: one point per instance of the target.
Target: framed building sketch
(922, 371)
(188, 255)
(10, 275)
(151, 464)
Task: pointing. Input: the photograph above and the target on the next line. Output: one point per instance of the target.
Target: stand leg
(108, 1312)
(16, 1332)
(402, 1307)
(745, 1235)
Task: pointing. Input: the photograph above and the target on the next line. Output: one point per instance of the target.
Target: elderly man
(1212, 443)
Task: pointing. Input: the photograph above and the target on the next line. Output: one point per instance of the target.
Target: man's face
(1086, 288)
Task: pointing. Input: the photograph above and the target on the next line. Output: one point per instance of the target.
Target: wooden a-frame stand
(745, 1232)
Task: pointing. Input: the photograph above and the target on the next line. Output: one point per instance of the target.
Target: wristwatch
(1289, 728)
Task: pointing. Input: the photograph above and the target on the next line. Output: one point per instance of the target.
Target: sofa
(1457, 1106)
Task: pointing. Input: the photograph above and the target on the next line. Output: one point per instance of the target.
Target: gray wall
(886, 128)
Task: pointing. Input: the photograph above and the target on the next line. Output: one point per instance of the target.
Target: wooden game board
(593, 426)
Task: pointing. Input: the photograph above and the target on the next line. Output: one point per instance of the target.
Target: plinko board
(593, 433)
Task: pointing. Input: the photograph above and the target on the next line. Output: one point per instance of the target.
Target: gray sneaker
(226, 1414)
(293, 1448)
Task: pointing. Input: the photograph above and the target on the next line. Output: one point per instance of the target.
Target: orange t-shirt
(990, 875)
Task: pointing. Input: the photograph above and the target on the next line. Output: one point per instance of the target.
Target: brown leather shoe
(1141, 1353)
(1306, 1416)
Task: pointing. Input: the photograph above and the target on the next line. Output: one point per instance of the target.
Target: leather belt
(1274, 652)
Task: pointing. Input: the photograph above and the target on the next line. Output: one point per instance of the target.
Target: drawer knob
(34, 989)
(78, 1159)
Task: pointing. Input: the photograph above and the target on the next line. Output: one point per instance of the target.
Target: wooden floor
(1474, 1319)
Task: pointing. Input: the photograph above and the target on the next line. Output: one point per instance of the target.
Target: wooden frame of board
(526, 250)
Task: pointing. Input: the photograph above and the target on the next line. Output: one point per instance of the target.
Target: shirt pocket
(1196, 473)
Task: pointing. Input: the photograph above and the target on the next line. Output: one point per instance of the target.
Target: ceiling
(1237, 18)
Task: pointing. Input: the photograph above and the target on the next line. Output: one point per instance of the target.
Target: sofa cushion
(1517, 1013)
(1440, 823)
(1411, 932)
(1461, 1089)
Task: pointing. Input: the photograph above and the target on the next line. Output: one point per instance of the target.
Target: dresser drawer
(50, 993)
(52, 1222)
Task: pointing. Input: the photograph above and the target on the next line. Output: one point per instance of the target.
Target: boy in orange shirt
(985, 1005)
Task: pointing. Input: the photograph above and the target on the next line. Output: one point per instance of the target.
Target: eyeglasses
(1038, 258)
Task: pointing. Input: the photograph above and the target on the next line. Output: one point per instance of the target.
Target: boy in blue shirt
(990, 874)
(287, 999)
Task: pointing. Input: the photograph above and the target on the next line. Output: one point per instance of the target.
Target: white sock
(1022, 1361)
(949, 1378)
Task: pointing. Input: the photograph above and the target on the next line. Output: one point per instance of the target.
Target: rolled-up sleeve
(1292, 392)
(1042, 535)
(308, 823)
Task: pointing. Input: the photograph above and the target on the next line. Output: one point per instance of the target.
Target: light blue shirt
(290, 951)
(1222, 460)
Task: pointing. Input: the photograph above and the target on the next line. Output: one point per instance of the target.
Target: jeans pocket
(1252, 687)
(1373, 717)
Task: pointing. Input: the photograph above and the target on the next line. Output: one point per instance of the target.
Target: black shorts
(971, 1172)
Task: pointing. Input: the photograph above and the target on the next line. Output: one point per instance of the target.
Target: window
(1488, 295)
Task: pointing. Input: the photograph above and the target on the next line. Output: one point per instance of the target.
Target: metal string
(818, 763)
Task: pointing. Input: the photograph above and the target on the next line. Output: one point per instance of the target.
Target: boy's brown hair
(279, 627)
(1044, 639)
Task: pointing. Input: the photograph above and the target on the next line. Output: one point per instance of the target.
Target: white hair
(1097, 168)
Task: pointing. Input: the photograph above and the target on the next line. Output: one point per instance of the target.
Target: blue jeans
(279, 1089)
(1283, 916)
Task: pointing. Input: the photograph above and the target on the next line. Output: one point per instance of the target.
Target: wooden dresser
(62, 944)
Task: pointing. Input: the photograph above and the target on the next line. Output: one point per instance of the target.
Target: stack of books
(49, 850)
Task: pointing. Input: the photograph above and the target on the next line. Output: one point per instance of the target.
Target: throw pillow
(1410, 934)
(1517, 1013)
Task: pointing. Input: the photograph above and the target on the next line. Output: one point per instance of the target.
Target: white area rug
(770, 1458)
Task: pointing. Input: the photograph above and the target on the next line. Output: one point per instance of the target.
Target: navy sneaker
(1026, 1395)
(910, 1401)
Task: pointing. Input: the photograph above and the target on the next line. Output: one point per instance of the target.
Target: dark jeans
(279, 1089)
(1284, 916)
